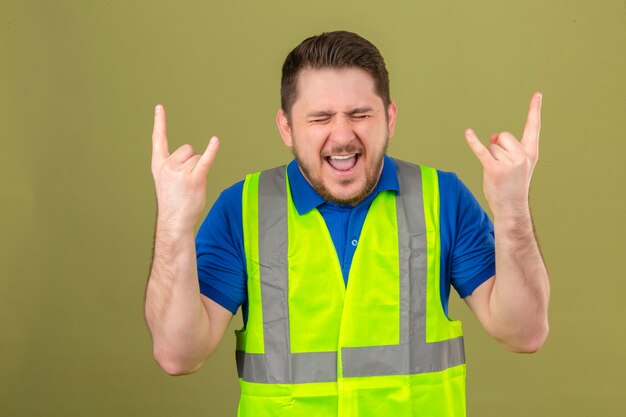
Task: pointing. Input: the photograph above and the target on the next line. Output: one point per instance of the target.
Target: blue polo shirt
(467, 242)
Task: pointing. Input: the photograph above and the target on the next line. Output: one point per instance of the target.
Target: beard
(372, 176)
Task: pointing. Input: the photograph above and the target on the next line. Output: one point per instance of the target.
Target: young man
(342, 260)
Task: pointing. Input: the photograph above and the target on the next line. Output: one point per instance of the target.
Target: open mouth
(343, 162)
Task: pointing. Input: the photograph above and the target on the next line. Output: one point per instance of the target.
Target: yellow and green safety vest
(380, 346)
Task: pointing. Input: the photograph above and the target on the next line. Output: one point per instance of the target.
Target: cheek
(312, 141)
(318, 134)
(308, 150)
(374, 136)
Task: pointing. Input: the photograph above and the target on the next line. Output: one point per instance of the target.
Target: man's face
(338, 132)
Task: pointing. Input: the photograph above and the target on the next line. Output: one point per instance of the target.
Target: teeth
(342, 156)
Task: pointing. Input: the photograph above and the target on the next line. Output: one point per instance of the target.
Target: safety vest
(380, 346)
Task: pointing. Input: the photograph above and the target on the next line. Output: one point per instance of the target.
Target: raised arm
(513, 305)
(186, 327)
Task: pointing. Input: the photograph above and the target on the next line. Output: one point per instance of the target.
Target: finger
(477, 147)
(182, 154)
(508, 142)
(493, 138)
(190, 164)
(530, 138)
(205, 162)
(498, 153)
(159, 137)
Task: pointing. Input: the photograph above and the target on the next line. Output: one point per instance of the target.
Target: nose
(342, 132)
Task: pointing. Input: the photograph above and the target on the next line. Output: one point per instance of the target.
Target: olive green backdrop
(78, 84)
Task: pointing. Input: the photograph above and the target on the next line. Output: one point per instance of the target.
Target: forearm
(520, 295)
(177, 320)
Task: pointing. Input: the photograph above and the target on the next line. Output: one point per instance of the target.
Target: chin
(351, 197)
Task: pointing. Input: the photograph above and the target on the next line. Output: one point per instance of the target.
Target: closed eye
(319, 120)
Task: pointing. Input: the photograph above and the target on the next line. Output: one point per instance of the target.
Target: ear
(284, 127)
(391, 117)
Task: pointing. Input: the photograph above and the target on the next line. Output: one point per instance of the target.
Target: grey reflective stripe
(277, 365)
(424, 357)
(292, 368)
(413, 355)
(273, 260)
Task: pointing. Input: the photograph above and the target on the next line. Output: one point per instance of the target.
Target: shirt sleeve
(472, 248)
(219, 251)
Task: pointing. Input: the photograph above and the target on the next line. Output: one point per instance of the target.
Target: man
(342, 260)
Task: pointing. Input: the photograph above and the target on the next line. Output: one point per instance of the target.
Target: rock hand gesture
(508, 163)
(179, 178)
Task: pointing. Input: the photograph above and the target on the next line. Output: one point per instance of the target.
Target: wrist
(512, 210)
(174, 223)
(513, 217)
(173, 231)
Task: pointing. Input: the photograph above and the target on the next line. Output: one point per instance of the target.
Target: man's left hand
(508, 163)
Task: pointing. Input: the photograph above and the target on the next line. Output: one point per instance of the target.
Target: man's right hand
(179, 178)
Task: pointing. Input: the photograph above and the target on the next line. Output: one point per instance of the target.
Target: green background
(79, 81)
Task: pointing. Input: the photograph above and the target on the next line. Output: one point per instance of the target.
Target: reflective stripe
(411, 356)
(277, 365)
(422, 356)
(293, 368)
(273, 260)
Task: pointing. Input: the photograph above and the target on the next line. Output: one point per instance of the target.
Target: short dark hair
(339, 49)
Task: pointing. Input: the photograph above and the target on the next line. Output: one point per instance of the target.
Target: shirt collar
(306, 198)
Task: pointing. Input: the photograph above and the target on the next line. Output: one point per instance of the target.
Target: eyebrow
(362, 110)
(325, 113)
(322, 113)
